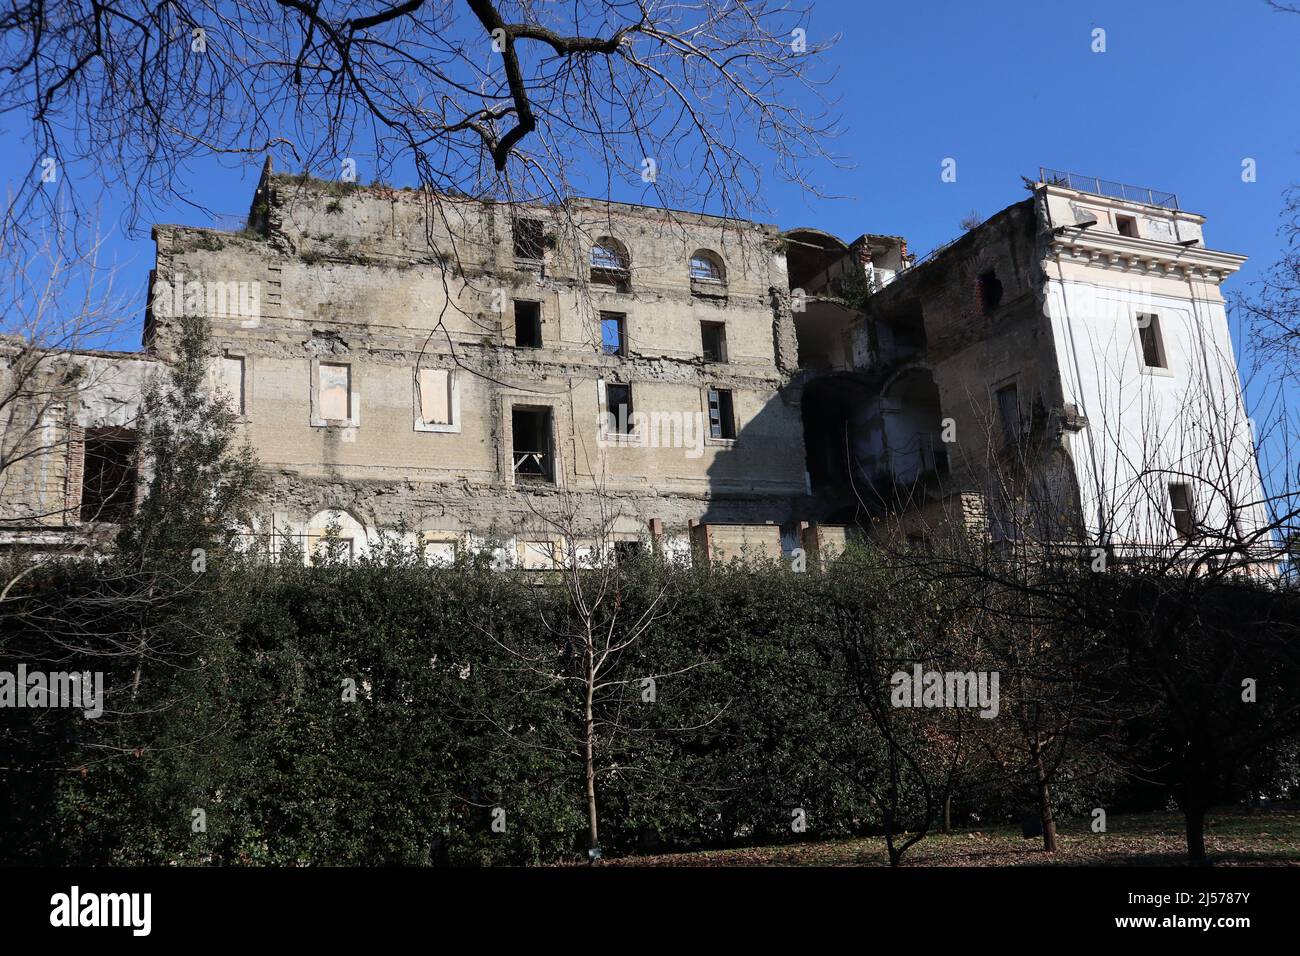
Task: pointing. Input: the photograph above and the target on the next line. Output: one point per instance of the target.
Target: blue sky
(1184, 91)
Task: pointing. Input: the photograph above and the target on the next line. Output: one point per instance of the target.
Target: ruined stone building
(490, 374)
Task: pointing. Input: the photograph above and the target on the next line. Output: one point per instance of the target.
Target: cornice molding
(1142, 256)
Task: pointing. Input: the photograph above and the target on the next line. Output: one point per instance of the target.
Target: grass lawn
(1233, 838)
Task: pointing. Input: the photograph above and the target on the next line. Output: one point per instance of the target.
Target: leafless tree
(1273, 310)
(581, 650)
(1085, 579)
(518, 101)
(59, 310)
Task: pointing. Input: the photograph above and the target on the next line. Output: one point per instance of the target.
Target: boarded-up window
(335, 392)
(232, 381)
(538, 555)
(440, 552)
(435, 396)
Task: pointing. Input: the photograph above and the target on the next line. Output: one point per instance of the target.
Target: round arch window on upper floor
(707, 266)
(610, 263)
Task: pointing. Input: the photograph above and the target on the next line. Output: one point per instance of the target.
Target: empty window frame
(714, 339)
(528, 325)
(990, 292)
(529, 238)
(722, 414)
(436, 391)
(1180, 505)
(613, 333)
(533, 458)
(1153, 345)
(618, 403)
(610, 264)
(334, 386)
(608, 255)
(706, 266)
(232, 381)
(1008, 401)
(108, 477)
(1126, 226)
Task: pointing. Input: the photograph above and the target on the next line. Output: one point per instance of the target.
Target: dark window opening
(1126, 226)
(625, 551)
(109, 475)
(1180, 501)
(714, 335)
(990, 290)
(613, 333)
(722, 419)
(531, 432)
(618, 401)
(1009, 413)
(1153, 351)
(530, 243)
(528, 325)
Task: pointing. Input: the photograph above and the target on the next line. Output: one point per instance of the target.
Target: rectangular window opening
(436, 396)
(529, 239)
(1180, 503)
(990, 292)
(334, 383)
(1126, 226)
(613, 333)
(1153, 346)
(722, 419)
(625, 551)
(232, 381)
(528, 325)
(1009, 413)
(618, 403)
(108, 481)
(714, 336)
(531, 432)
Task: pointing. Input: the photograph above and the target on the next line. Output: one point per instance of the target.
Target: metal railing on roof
(1106, 187)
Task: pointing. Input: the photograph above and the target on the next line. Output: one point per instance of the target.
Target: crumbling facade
(477, 374)
(1061, 372)
(69, 463)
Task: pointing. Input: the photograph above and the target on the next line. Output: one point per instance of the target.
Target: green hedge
(251, 727)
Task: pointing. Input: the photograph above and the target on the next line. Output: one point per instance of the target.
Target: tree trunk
(1195, 817)
(593, 840)
(947, 813)
(1044, 800)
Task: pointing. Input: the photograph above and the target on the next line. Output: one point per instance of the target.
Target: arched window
(609, 254)
(335, 535)
(708, 266)
(610, 264)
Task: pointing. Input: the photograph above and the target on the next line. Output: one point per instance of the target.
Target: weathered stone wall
(352, 275)
(52, 399)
